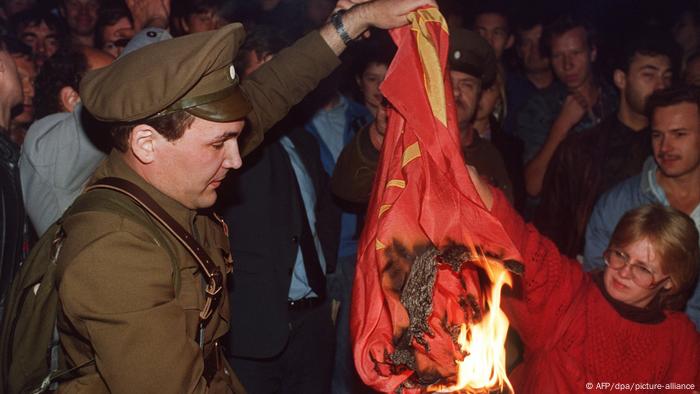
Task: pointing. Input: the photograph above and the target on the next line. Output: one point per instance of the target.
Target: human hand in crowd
(572, 111)
(481, 187)
(377, 129)
(149, 13)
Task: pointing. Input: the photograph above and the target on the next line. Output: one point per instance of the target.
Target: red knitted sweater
(576, 341)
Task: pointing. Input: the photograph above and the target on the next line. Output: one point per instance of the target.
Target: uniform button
(295, 239)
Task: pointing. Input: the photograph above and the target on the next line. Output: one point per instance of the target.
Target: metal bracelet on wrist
(337, 21)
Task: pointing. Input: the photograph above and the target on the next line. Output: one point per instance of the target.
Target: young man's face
(42, 39)
(116, 36)
(466, 89)
(27, 74)
(194, 165)
(81, 16)
(675, 139)
(528, 48)
(572, 59)
(494, 29)
(369, 82)
(646, 74)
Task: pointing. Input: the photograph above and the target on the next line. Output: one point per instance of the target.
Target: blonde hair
(675, 240)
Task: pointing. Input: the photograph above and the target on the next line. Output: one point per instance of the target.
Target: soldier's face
(194, 165)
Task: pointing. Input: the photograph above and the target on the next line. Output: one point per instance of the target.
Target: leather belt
(304, 303)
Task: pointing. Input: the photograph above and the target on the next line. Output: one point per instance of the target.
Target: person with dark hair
(22, 115)
(284, 14)
(81, 18)
(115, 28)
(193, 16)
(298, 339)
(671, 177)
(534, 73)
(59, 153)
(585, 331)
(58, 82)
(473, 68)
(42, 31)
(492, 21)
(261, 44)
(580, 102)
(371, 62)
(588, 163)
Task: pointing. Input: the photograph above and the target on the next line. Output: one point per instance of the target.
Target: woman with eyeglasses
(618, 330)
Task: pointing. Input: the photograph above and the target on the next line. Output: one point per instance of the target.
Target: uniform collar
(115, 166)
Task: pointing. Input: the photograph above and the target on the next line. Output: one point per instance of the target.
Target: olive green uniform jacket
(121, 301)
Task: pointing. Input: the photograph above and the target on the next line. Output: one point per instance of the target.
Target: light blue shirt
(332, 122)
(299, 288)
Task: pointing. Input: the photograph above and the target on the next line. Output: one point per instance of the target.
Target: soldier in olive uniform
(131, 296)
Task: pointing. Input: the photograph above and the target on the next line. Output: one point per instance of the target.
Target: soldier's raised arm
(283, 81)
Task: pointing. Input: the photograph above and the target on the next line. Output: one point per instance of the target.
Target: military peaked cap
(471, 54)
(192, 73)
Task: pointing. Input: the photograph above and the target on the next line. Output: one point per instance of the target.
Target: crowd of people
(588, 126)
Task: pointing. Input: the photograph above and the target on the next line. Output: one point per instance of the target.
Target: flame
(483, 369)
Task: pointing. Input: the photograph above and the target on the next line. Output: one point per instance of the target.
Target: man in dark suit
(284, 239)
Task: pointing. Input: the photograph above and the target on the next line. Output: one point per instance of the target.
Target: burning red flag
(428, 242)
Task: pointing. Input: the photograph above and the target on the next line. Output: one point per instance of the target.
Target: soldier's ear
(142, 143)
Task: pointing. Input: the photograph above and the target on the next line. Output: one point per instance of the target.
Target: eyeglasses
(642, 275)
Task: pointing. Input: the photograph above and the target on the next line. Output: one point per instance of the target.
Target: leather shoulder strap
(211, 272)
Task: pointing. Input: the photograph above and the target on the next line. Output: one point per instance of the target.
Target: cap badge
(232, 72)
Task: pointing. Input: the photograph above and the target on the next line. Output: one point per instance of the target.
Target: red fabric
(573, 336)
(437, 206)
